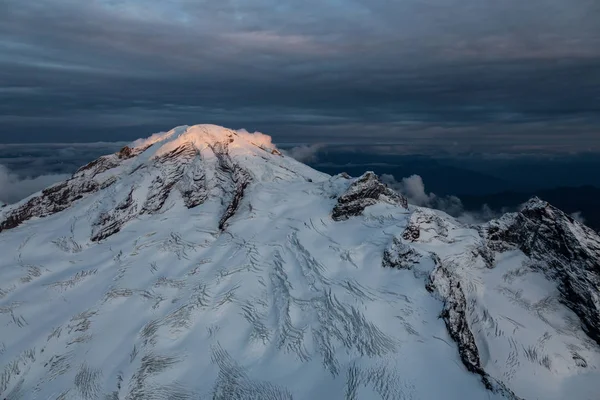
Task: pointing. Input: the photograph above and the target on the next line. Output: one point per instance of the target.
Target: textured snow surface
(279, 301)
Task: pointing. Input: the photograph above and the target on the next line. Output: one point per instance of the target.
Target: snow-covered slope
(202, 263)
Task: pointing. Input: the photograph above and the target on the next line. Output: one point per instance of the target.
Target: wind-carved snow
(204, 265)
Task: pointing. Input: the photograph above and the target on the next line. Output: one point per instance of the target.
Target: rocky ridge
(565, 250)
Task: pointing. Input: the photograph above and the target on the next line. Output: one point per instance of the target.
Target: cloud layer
(26, 169)
(466, 74)
(306, 153)
(14, 188)
(414, 189)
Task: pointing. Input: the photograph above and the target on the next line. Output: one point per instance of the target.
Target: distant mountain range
(502, 185)
(474, 175)
(584, 200)
(439, 178)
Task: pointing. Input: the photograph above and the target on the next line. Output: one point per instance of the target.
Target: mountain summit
(191, 163)
(202, 263)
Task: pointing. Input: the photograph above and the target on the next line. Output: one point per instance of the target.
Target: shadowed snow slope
(204, 264)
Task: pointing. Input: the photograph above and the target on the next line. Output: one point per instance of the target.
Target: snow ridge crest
(188, 163)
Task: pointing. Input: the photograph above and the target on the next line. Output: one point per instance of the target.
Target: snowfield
(203, 264)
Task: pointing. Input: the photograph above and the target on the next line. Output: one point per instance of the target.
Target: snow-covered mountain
(202, 263)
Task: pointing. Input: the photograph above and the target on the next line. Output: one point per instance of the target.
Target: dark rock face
(109, 223)
(568, 253)
(175, 169)
(104, 163)
(192, 186)
(237, 176)
(365, 191)
(486, 254)
(61, 196)
(125, 152)
(399, 255)
(411, 233)
(181, 169)
(158, 193)
(454, 314)
(99, 165)
(427, 222)
(172, 167)
(241, 182)
(52, 200)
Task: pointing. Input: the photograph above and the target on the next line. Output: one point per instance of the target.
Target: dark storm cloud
(442, 73)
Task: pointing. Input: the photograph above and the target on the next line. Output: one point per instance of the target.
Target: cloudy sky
(505, 75)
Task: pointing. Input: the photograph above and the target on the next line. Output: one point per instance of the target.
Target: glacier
(201, 263)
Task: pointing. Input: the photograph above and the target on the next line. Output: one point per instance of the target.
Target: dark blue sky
(429, 75)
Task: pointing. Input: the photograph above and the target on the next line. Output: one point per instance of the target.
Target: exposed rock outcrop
(366, 191)
(426, 225)
(448, 287)
(238, 177)
(567, 251)
(178, 168)
(109, 223)
(52, 200)
(399, 255)
(86, 180)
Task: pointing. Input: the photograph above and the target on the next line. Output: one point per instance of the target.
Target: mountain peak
(207, 135)
(567, 251)
(187, 164)
(294, 284)
(535, 203)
